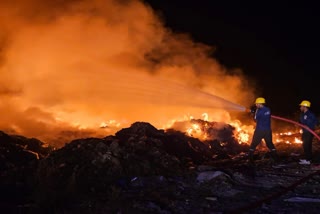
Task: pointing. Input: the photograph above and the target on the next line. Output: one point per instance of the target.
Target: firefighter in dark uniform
(308, 119)
(262, 117)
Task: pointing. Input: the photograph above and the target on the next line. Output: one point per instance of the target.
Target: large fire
(243, 133)
(198, 128)
(73, 69)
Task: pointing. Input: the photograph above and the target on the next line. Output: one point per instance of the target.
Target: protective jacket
(263, 118)
(309, 119)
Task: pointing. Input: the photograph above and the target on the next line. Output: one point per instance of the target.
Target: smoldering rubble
(142, 169)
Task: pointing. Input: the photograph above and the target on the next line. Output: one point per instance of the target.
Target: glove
(253, 109)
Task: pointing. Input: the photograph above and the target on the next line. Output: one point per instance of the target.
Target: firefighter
(262, 117)
(307, 118)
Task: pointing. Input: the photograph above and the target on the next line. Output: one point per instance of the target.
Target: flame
(288, 137)
(109, 123)
(201, 128)
(242, 132)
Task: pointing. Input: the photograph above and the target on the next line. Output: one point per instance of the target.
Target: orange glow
(289, 137)
(91, 67)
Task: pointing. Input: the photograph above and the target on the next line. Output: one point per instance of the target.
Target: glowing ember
(288, 137)
(112, 123)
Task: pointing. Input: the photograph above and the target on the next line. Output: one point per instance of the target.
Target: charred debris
(141, 169)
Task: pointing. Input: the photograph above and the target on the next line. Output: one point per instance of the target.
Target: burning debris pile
(141, 169)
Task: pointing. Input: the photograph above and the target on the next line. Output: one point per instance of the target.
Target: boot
(274, 156)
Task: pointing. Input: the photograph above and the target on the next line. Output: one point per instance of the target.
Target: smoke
(81, 68)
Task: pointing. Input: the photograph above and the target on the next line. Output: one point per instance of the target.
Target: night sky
(277, 45)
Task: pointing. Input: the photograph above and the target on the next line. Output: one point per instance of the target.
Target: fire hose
(290, 121)
(269, 198)
(296, 123)
(285, 190)
(291, 187)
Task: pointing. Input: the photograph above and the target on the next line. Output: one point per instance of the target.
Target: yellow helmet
(305, 103)
(260, 100)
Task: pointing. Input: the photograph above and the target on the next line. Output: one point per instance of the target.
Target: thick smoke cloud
(69, 68)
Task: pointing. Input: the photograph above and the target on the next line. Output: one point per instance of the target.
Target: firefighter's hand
(253, 109)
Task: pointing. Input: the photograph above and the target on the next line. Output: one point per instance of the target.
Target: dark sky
(275, 44)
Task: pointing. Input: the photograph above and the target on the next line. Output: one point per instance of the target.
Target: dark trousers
(307, 138)
(258, 135)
